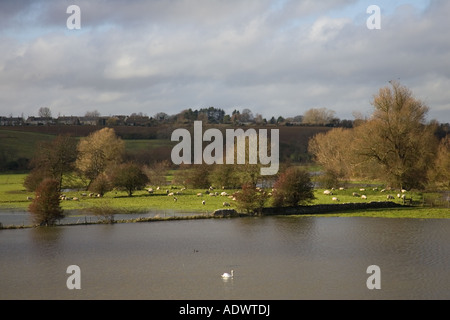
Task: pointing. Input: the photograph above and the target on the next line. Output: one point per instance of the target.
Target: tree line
(210, 115)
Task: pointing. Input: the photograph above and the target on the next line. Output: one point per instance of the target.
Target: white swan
(227, 275)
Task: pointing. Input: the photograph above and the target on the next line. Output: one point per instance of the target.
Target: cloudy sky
(274, 57)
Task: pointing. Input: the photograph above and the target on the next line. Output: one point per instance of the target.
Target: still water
(272, 258)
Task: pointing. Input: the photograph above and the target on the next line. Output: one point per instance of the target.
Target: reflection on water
(24, 218)
(272, 258)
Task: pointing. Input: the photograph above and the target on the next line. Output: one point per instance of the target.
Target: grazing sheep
(84, 194)
(224, 194)
(203, 202)
(356, 194)
(150, 190)
(364, 197)
(226, 204)
(91, 194)
(170, 194)
(335, 199)
(383, 190)
(362, 189)
(29, 198)
(199, 194)
(390, 197)
(398, 195)
(75, 199)
(403, 191)
(341, 188)
(327, 192)
(175, 199)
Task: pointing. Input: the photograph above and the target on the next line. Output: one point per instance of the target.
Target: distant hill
(144, 144)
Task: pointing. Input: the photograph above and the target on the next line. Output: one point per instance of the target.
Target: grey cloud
(149, 56)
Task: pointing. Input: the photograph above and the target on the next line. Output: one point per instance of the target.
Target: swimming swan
(227, 275)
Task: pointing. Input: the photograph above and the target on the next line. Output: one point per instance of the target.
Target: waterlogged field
(14, 196)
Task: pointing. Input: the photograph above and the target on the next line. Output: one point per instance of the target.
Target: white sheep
(364, 197)
(199, 194)
(327, 192)
(224, 194)
(203, 202)
(335, 199)
(355, 194)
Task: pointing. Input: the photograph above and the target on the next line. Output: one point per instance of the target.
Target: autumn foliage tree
(98, 151)
(331, 151)
(397, 138)
(293, 187)
(395, 145)
(45, 207)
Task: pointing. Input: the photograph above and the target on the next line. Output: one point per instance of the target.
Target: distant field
(15, 145)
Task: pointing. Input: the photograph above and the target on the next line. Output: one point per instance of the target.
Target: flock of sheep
(209, 192)
(401, 195)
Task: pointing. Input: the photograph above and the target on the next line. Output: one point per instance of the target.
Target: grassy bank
(14, 196)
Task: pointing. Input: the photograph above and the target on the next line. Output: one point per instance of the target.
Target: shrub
(46, 207)
(250, 198)
(292, 188)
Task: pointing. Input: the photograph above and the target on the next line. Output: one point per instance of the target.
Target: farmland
(14, 196)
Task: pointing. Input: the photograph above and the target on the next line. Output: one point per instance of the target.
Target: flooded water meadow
(272, 258)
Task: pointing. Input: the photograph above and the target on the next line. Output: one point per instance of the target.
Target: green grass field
(14, 196)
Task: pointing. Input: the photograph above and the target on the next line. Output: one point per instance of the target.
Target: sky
(274, 57)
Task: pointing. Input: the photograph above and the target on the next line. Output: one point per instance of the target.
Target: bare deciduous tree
(44, 112)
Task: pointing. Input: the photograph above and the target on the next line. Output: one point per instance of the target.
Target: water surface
(272, 258)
